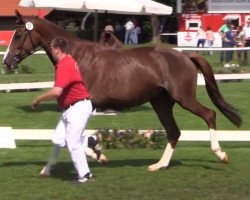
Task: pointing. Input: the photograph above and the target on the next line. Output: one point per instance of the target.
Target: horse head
(25, 41)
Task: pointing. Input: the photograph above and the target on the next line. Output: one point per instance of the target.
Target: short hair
(61, 43)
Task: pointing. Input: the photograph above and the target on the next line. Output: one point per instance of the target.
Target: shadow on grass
(42, 108)
(53, 107)
(136, 109)
(65, 170)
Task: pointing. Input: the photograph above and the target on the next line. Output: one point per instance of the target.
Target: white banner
(189, 39)
(228, 6)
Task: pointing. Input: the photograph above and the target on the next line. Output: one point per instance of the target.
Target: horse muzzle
(11, 63)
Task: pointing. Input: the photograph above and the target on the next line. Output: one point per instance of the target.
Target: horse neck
(79, 49)
(48, 31)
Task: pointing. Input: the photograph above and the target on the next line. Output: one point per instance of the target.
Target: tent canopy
(137, 7)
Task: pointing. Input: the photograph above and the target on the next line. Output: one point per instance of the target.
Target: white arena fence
(9, 136)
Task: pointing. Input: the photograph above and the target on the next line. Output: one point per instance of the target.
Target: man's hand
(35, 103)
(53, 93)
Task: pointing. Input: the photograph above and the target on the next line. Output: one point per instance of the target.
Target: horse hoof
(103, 159)
(156, 167)
(225, 159)
(44, 173)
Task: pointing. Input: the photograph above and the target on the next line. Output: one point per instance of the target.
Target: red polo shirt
(68, 77)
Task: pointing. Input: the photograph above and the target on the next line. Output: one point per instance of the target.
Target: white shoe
(45, 172)
(87, 177)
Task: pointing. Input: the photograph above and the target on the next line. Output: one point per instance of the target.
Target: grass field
(194, 173)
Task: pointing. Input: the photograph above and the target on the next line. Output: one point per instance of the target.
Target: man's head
(59, 47)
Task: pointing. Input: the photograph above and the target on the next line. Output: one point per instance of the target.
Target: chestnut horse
(121, 78)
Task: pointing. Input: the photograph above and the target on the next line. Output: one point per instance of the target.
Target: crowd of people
(231, 36)
(128, 33)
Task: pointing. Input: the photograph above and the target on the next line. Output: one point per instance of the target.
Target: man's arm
(53, 93)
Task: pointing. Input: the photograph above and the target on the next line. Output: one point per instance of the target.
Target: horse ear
(19, 17)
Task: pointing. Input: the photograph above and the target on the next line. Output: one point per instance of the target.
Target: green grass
(194, 173)
(16, 112)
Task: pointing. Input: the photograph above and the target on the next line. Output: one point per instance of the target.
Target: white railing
(186, 135)
(37, 52)
(8, 136)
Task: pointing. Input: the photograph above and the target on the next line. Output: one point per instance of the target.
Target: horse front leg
(165, 159)
(163, 107)
(51, 162)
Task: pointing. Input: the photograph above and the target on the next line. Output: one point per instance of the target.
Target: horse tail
(213, 91)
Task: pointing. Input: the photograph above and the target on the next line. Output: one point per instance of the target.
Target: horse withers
(121, 78)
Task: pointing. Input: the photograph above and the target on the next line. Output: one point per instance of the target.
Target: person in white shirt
(246, 30)
(201, 37)
(129, 26)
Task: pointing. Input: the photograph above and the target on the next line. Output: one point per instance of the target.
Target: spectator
(240, 43)
(210, 38)
(246, 30)
(109, 27)
(222, 31)
(230, 41)
(129, 26)
(118, 31)
(201, 37)
(135, 34)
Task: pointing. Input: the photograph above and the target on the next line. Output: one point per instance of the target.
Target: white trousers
(70, 132)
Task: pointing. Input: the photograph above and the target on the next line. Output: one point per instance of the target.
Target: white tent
(136, 7)
(139, 7)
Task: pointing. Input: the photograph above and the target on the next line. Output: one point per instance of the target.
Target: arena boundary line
(186, 135)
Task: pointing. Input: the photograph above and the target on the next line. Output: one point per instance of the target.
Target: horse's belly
(124, 98)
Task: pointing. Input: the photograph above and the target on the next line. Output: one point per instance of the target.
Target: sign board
(228, 6)
(7, 138)
(5, 37)
(189, 39)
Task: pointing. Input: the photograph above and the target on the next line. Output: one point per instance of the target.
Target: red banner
(5, 37)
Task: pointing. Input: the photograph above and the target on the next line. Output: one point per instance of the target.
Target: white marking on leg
(215, 146)
(214, 141)
(165, 159)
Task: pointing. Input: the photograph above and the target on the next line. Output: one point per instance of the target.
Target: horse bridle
(20, 49)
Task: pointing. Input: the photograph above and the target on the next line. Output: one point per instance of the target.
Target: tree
(156, 24)
(156, 38)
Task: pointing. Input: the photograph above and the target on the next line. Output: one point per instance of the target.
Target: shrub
(131, 139)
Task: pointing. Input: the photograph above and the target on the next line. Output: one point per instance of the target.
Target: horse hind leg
(209, 116)
(163, 107)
